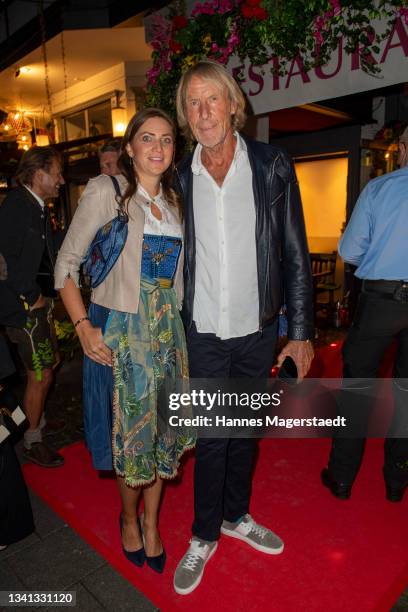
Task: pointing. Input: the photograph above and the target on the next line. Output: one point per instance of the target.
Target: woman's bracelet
(80, 321)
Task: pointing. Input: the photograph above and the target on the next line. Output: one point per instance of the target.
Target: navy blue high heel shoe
(137, 557)
(158, 562)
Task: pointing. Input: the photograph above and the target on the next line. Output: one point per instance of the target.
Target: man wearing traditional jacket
(25, 252)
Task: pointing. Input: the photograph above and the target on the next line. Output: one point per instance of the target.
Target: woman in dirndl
(132, 335)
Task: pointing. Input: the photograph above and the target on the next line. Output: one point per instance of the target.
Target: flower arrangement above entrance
(274, 34)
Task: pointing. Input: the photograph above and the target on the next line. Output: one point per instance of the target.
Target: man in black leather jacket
(25, 251)
(245, 256)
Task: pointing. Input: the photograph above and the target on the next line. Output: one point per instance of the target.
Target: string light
(64, 65)
(44, 54)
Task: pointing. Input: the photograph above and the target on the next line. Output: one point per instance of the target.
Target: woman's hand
(92, 343)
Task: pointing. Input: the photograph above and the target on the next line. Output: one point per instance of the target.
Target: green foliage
(68, 341)
(37, 366)
(45, 352)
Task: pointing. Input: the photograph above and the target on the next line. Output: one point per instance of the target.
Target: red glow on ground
(337, 555)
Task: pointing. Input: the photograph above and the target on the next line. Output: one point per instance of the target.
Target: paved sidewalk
(55, 558)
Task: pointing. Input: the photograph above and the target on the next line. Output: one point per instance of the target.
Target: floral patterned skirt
(150, 361)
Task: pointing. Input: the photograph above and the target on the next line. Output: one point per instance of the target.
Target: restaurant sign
(342, 75)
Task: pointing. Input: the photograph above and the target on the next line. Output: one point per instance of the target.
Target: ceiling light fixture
(119, 115)
(22, 70)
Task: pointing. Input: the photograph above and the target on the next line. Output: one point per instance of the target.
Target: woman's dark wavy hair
(125, 162)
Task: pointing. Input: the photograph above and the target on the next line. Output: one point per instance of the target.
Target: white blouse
(168, 225)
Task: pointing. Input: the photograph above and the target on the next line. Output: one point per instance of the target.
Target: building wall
(124, 77)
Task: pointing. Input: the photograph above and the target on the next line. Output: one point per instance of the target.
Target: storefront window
(100, 119)
(376, 159)
(92, 121)
(75, 126)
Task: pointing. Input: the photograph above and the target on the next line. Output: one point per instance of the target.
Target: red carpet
(345, 556)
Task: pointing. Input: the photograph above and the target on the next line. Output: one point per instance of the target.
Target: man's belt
(388, 289)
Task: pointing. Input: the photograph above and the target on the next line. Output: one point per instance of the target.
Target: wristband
(80, 321)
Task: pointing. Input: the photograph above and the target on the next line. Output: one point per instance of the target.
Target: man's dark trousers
(377, 322)
(223, 467)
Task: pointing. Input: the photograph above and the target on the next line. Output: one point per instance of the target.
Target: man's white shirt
(226, 299)
(39, 200)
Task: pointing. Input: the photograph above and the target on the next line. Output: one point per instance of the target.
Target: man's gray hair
(110, 146)
(219, 75)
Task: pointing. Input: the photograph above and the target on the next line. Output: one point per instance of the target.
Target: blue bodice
(160, 255)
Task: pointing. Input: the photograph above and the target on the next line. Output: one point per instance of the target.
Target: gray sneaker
(191, 567)
(255, 535)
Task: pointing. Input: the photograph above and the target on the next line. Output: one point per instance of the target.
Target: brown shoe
(43, 455)
(53, 426)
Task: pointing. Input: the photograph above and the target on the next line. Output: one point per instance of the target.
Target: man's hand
(302, 354)
(40, 303)
(93, 345)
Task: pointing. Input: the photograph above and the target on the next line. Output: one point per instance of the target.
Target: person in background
(26, 248)
(16, 517)
(375, 242)
(134, 314)
(245, 250)
(108, 155)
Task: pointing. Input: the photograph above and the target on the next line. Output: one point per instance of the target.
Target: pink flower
(233, 39)
(161, 27)
(152, 74)
(203, 9)
(225, 6)
(161, 32)
(156, 45)
(336, 7)
(319, 23)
